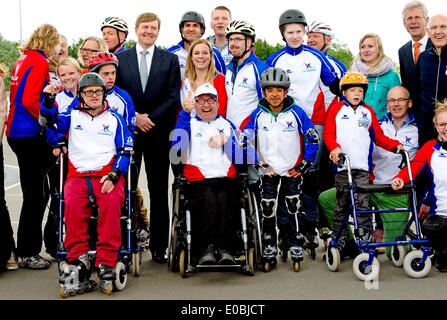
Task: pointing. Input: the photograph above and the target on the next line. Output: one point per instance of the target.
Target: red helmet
(102, 58)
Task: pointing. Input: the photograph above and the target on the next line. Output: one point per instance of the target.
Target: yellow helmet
(354, 79)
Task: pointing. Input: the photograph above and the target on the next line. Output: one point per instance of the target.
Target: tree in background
(263, 50)
(9, 53)
(341, 52)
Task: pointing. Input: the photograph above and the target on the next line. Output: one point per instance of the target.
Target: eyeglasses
(236, 39)
(441, 125)
(210, 101)
(90, 93)
(89, 51)
(400, 100)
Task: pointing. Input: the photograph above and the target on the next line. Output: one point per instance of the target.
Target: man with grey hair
(415, 19)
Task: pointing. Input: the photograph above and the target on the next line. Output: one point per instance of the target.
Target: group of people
(211, 108)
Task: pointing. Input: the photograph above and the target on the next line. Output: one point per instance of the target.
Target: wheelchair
(247, 249)
(130, 252)
(416, 263)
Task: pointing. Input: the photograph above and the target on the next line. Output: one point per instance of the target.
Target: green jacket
(378, 87)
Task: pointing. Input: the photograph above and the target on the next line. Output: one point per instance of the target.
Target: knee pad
(268, 206)
(434, 228)
(293, 204)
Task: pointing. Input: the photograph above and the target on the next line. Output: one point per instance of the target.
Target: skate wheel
(333, 259)
(108, 288)
(296, 266)
(62, 293)
(136, 264)
(398, 255)
(182, 263)
(411, 262)
(121, 276)
(267, 267)
(364, 272)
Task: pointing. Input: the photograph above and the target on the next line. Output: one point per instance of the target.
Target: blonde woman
(25, 136)
(88, 49)
(433, 155)
(200, 69)
(379, 69)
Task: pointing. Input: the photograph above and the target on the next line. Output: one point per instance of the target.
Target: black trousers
(214, 208)
(34, 160)
(154, 149)
(6, 233)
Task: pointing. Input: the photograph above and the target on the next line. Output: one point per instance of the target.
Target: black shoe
(225, 258)
(158, 257)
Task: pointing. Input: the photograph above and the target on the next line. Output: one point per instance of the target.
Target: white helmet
(321, 27)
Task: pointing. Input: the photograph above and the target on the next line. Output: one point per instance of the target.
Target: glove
(303, 167)
(48, 101)
(114, 175)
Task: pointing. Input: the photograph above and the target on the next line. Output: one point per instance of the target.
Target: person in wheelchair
(433, 154)
(287, 143)
(208, 145)
(99, 146)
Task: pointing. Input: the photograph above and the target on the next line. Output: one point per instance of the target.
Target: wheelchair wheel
(411, 262)
(121, 277)
(182, 263)
(398, 255)
(333, 259)
(251, 261)
(361, 271)
(136, 264)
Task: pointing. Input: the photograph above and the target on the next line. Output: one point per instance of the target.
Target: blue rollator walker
(416, 263)
(248, 248)
(129, 255)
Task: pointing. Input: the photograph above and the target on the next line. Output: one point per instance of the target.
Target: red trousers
(77, 212)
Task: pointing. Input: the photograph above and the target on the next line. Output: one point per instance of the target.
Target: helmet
(354, 79)
(194, 17)
(243, 27)
(321, 27)
(292, 16)
(275, 77)
(102, 58)
(115, 22)
(91, 79)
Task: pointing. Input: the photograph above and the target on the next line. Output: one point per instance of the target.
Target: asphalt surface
(156, 282)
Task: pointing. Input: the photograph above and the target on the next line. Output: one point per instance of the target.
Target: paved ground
(314, 281)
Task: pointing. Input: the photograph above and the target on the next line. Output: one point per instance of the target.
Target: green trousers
(394, 223)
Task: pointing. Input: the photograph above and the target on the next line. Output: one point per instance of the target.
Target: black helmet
(275, 77)
(91, 79)
(292, 16)
(243, 27)
(194, 17)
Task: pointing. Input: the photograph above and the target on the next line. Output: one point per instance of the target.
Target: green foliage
(130, 43)
(341, 52)
(73, 48)
(9, 53)
(263, 50)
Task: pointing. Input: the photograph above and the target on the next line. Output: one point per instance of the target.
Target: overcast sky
(350, 19)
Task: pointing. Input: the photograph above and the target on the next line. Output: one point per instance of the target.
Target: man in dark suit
(152, 78)
(415, 18)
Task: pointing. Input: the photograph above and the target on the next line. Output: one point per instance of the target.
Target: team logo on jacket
(364, 120)
(309, 67)
(79, 127)
(408, 142)
(264, 128)
(244, 83)
(105, 130)
(289, 127)
(345, 117)
(198, 135)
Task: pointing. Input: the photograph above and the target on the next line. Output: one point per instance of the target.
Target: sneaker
(207, 258)
(35, 262)
(12, 263)
(269, 251)
(296, 252)
(225, 258)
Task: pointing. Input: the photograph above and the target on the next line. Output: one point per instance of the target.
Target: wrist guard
(114, 175)
(303, 167)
